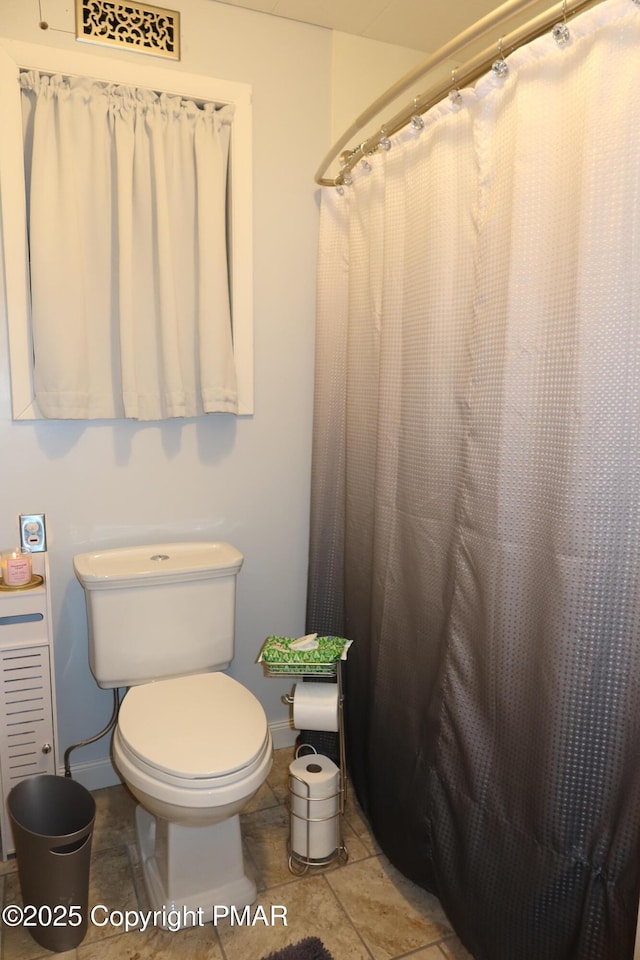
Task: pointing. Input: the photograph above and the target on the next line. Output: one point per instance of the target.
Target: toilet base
(192, 869)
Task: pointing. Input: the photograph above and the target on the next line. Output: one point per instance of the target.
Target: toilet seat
(199, 731)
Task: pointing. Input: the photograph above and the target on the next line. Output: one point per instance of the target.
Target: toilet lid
(201, 726)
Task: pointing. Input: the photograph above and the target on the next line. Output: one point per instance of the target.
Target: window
(15, 57)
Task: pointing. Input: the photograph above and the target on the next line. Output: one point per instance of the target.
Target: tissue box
(279, 658)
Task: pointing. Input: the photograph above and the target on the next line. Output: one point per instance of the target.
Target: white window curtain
(126, 197)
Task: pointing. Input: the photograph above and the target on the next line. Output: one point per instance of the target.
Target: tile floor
(361, 910)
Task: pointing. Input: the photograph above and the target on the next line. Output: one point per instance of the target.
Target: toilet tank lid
(150, 563)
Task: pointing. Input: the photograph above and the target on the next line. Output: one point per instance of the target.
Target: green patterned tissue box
(280, 656)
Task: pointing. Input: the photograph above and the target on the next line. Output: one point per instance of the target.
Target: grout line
(221, 945)
(257, 873)
(271, 891)
(323, 875)
(346, 913)
(132, 874)
(413, 953)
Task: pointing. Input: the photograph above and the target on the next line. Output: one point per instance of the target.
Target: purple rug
(309, 949)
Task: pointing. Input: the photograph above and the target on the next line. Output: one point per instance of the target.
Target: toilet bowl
(191, 743)
(197, 747)
(193, 751)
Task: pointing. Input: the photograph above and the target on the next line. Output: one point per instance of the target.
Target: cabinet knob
(46, 748)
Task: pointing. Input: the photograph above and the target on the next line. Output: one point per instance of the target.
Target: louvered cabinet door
(26, 743)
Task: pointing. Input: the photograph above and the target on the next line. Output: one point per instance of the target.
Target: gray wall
(102, 484)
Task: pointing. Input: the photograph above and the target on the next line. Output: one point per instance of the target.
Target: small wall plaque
(136, 26)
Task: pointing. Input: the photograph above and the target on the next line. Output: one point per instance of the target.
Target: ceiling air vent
(136, 26)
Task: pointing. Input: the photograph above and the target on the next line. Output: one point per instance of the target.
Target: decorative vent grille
(138, 26)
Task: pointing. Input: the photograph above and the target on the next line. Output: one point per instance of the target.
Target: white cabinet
(28, 742)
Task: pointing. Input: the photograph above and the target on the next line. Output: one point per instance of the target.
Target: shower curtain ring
(364, 163)
(417, 121)
(560, 32)
(499, 67)
(384, 143)
(454, 94)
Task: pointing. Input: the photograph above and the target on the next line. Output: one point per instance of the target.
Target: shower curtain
(476, 494)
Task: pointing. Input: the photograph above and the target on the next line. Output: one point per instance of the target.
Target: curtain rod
(464, 75)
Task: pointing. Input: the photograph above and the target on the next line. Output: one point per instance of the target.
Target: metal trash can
(52, 819)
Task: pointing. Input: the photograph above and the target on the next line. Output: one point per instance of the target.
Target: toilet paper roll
(315, 706)
(314, 784)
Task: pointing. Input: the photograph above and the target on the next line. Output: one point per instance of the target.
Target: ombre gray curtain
(475, 522)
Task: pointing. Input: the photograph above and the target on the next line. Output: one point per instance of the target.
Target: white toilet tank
(157, 611)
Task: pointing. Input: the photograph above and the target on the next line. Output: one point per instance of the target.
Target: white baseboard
(283, 734)
(96, 774)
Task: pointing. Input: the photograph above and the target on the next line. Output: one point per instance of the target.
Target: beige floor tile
(264, 798)
(443, 949)
(137, 877)
(361, 910)
(8, 866)
(392, 915)
(311, 911)
(193, 943)
(110, 886)
(429, 953)
(278, 779)
(358, 822)
(17, 942)
(356, 850)
(114, 824)
(453, 950)
(266, 833)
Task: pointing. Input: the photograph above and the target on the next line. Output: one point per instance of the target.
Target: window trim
(16, 56)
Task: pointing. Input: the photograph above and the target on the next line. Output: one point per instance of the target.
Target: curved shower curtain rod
(467, 73)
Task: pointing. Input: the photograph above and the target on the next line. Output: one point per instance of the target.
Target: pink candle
(16, 567)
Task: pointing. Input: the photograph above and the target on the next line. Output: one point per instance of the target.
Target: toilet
(191, 743)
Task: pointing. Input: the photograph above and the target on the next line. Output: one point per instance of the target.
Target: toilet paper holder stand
(298, 862)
